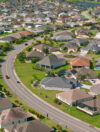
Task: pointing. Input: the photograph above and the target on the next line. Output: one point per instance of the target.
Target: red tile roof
(26, 33)
(80, 61)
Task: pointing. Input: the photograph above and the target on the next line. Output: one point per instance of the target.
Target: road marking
(39, 105)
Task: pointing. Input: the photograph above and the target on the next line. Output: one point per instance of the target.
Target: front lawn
(93, 56)
(86, 83)
(26, 73)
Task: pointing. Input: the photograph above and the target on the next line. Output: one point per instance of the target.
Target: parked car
(18, 81)
(7, 77)
(26, 44)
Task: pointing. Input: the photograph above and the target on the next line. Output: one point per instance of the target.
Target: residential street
(35, 102)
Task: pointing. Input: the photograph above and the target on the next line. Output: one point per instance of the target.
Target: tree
(45, 50)
(51, 34)
(91, 65)
(6, 47)
(29, 48)
(90, 52)
(34, 60)
(1, 86)
(21, 57)
(81, 77)
(99, 75)
(57, 101)
(87, 75)
(59, 128)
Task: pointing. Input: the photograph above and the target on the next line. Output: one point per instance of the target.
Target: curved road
(35, 102)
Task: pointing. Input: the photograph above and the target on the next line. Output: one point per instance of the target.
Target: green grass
(87, 83)
(69, 56)
(1, 130)
(25, 72)
(52, 123)
(65, 67)
(93, 56)
(86, 90)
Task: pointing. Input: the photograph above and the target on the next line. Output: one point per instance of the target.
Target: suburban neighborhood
(49, 66)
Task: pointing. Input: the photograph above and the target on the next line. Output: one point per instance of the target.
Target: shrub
(34, 60)
(21, 56)
(57, 101)
(36, 113)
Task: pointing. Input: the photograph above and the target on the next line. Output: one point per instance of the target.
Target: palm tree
(87, 75)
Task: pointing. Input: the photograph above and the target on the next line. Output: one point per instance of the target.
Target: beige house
(74, 97)
(91, 107)
(5, 104)
(13, 116)
(30, 126)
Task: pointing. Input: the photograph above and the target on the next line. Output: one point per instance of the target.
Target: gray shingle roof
(9, 38)
(50, 60)
(59, 82)
(70, 45)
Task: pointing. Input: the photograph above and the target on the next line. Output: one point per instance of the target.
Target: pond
(86, 4)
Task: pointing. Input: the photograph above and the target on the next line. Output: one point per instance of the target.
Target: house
(78, 71)
(5, 104)
(13, 116)
(80, 62)
(16, 35)
(64, 33)
(74, 97)
(97, 66)
(26, 33)
(85, 71)
(30, 126)
(81, 41)
(41, 47)
(17, 24)
(70, 47)
(91, 107)
(82, 33)
(94, 46)
(38, 30)
(58, 83)
(95, 89)
(1, 31)
(81, 23)
(51, 62)
(9, 30)
(8, 39)
(28, 25)
(72, 24)
(34, 54)
(63, 36)
(97, 36)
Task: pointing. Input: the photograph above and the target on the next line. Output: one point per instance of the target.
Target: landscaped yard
(93, 56)
(86, 83)
(26, 73)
